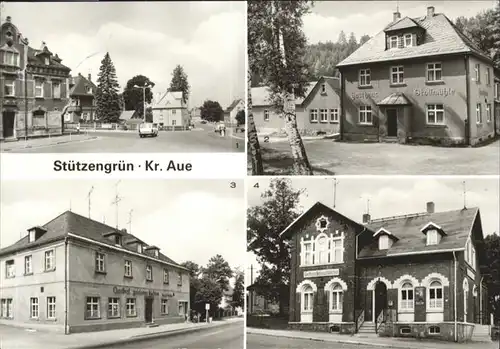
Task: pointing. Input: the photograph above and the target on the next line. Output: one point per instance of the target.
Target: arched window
(307, 298)
(336, 298)
(322, 249)
(435, 295)
(406, 296)
(466, 296)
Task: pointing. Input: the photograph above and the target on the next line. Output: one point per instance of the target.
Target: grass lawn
(329, 157)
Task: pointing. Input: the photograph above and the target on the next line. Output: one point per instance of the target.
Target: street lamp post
(143, 99)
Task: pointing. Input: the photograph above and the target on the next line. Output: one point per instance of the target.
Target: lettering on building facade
(364, 95)
(141, 291)
(445, 91)
(321, 273)
(483, 93)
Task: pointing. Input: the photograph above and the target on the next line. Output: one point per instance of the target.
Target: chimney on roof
(430, 207)
(430, 11)
(366, 218)
(123, 230)
(396, 15)
(90, 77)
(8, 19)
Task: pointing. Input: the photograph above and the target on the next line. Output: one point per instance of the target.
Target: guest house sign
(445, 91)
(364, 95)
(140, 291)
(321, 273)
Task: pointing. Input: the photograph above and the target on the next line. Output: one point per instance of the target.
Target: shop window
(313, 115)
(405, 330)
(434, 330)
(39, 119)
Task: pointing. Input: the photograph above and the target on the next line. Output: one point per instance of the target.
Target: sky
(187, 219)
(148, 38)
(328, 18)
(390, 197)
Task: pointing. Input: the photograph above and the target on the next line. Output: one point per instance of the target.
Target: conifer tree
(108, 104)
(180, 82)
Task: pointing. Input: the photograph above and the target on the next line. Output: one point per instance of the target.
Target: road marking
(52, 145)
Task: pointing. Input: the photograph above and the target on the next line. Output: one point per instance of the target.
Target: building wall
(84, 282)
(345, 270)
(451, 93)
(40, 283)
(169, 117)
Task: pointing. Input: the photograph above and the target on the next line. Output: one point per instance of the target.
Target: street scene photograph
(122, 264)
(134, 77)
(373, 87)
(343, 262)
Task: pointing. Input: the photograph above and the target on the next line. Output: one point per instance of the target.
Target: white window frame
(310, 252)
(466, 297)
(336, 298)
(31, 236)
(433, 68)
(51, 307)
(28, 265)
(100, 264)
(11, 84)
(405, 44)
(479, 113)
(34, 308)
(113, 307)
(49, 260)
(47, 61)
(313, 115)
(10, 269)
(488, 76)
(383, 242)
(334, 115)
(323, 115)
(56, 90)
(164, 306)
(432, 237)
(307, 293)
(266, 115)
(307, 248)
(488, 113)
(139, 248)
(149, 273)
(407, 305)
(392, 41)
(364, 77)
(131, 307)
(435, 303)
(39, 84)
(398, 73)
(15, 58)
(128, 268)
(93, 301)
(434, 108)
(166, 276)
(365, 112)
(477, 70)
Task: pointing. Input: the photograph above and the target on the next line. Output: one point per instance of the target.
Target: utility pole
(88, 197)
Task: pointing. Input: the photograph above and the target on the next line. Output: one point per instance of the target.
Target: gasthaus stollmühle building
(415, 275)
(74, 274)
(419, 80)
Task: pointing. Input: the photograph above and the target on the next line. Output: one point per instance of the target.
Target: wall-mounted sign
(445, 91)
(364, 95)
(321, 273)
(419, 295)
(141, 291)
(471, 274)
(483, 93)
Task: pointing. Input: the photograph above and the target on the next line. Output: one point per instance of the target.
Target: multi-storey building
(82, 102)
(74, 274)
(34, 87)
(317, 113)
(230, 113)
(419, 80)
(412, 275)
(170, 110)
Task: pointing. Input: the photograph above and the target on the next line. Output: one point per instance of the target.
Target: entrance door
(380, 299)
(148, 310)
(8, 123)
(392, 122)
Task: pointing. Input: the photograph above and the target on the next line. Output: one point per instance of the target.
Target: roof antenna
(116, 201)
(465, 195)
(335, 182)
(397, 6)
(88, 196)
(368, 206)
(130, 221)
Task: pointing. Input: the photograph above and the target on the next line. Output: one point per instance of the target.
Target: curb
(146, 337)
(46, 145)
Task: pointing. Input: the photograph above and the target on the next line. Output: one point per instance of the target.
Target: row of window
(322, 250)
(10, 89)
(335, 297)
(6, 305)
(479, 113)
(12, 58)
(317, 115)
(406, 40)
(48, 262)
(434, 73)
(432, 238)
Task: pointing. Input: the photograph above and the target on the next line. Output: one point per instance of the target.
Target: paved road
(255, 341)
(225, 337)
(196, 141)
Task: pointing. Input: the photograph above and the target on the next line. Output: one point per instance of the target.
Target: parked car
(203, 121)
(148, 129)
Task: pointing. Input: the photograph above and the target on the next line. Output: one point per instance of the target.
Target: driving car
(219, 126)
(148, 129)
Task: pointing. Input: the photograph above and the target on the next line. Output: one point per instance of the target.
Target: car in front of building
(148, 129)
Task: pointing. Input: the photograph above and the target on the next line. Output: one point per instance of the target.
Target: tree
(364, 39)
(194, 280)
(211, 111)
(265, 223)
(107, 98)
(479, 29)
(492, 275)
(218, 269)
(209, 291)
(238, 290)
(179, 82)
(133, 97)
(253, 140)
(494, 29)
(240, 117)
(342, 38)
(276, 47)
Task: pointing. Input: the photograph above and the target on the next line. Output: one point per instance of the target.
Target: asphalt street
(225, 337)
(255, 341)
(195, 141)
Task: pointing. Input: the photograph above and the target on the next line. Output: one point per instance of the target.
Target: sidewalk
(372, 341)
(277, 139)
(45, 141)
(18, 338)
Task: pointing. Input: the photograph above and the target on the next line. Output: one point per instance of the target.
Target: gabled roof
(457, 225)
(169, 100)
(441, 37)
(260, 95)
(127, 115)
(80, 84)
(37, 58)
(71, 223)
(383, 231)
(233, 104)
(396, 98)
(403, 23)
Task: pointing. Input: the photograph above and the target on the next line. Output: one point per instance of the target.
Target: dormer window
(139, 248)
(385, 239)
(35, 233)
(156, 253)
(393, 42)
(433, 233)
(118, 240)
(383, 242)
(47, 61)
(408, 40)
(432, 237)
(89, 89)
(31, 236)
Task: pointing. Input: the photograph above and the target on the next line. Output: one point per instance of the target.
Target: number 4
(256, 185)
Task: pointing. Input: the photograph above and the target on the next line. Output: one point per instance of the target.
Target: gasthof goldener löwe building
(415, 275)
(74, 274)
(419, 80)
